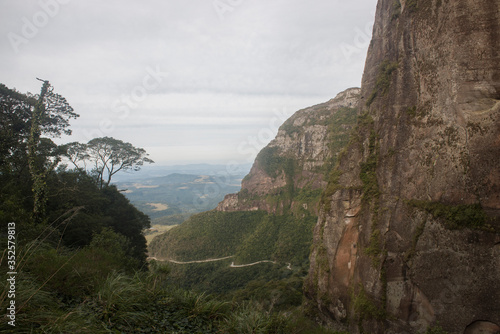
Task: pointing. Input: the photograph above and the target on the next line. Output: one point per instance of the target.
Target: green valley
(259, 239)
(170, 199)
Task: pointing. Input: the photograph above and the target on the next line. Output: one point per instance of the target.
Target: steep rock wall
(408, 231)
(305, 148)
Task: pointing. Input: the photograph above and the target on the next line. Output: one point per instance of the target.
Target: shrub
(383, 81)
(455, 216)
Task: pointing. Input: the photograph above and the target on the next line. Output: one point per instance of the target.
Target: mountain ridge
(302, 144)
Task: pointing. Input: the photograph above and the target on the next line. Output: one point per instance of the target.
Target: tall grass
(250, 318)
(89, 291)
(120, 299)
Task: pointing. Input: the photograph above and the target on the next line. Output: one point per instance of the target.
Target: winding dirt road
(189, 262)
(249, 264)
(232, 265)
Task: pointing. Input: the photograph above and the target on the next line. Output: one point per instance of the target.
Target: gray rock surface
(305, 139)
(383, 260)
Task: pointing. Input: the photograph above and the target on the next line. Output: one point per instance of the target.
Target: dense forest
(74, 254)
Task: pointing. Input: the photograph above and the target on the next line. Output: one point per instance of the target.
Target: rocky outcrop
(408, 237)
(299, 158)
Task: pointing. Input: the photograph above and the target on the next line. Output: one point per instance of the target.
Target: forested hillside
(42, 194)
(74, 253)
(271, 219)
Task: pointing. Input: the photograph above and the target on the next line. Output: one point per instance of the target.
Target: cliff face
(304, 150)
(408, 234)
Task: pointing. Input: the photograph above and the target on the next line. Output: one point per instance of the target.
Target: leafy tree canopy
(16, 122)
(106, 156)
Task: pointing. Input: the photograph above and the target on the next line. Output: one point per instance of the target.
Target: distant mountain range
(170, 194)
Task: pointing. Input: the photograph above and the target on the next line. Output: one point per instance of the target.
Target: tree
(15, 119)
(77, 154)
(50, 114)
(100, 208)
(106, 156)
(25, 118)
(47, 114)
(38, 174)
(111, 155)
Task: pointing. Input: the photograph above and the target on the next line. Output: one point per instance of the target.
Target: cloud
(236, 67)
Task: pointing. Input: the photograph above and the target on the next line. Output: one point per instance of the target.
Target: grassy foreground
(140, 302)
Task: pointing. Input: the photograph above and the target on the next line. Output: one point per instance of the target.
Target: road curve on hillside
(232, 265)
(189, 262)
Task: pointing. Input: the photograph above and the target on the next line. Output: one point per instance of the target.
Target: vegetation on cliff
(455, 216)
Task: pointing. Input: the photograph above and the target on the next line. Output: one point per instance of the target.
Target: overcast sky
(188, 80)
